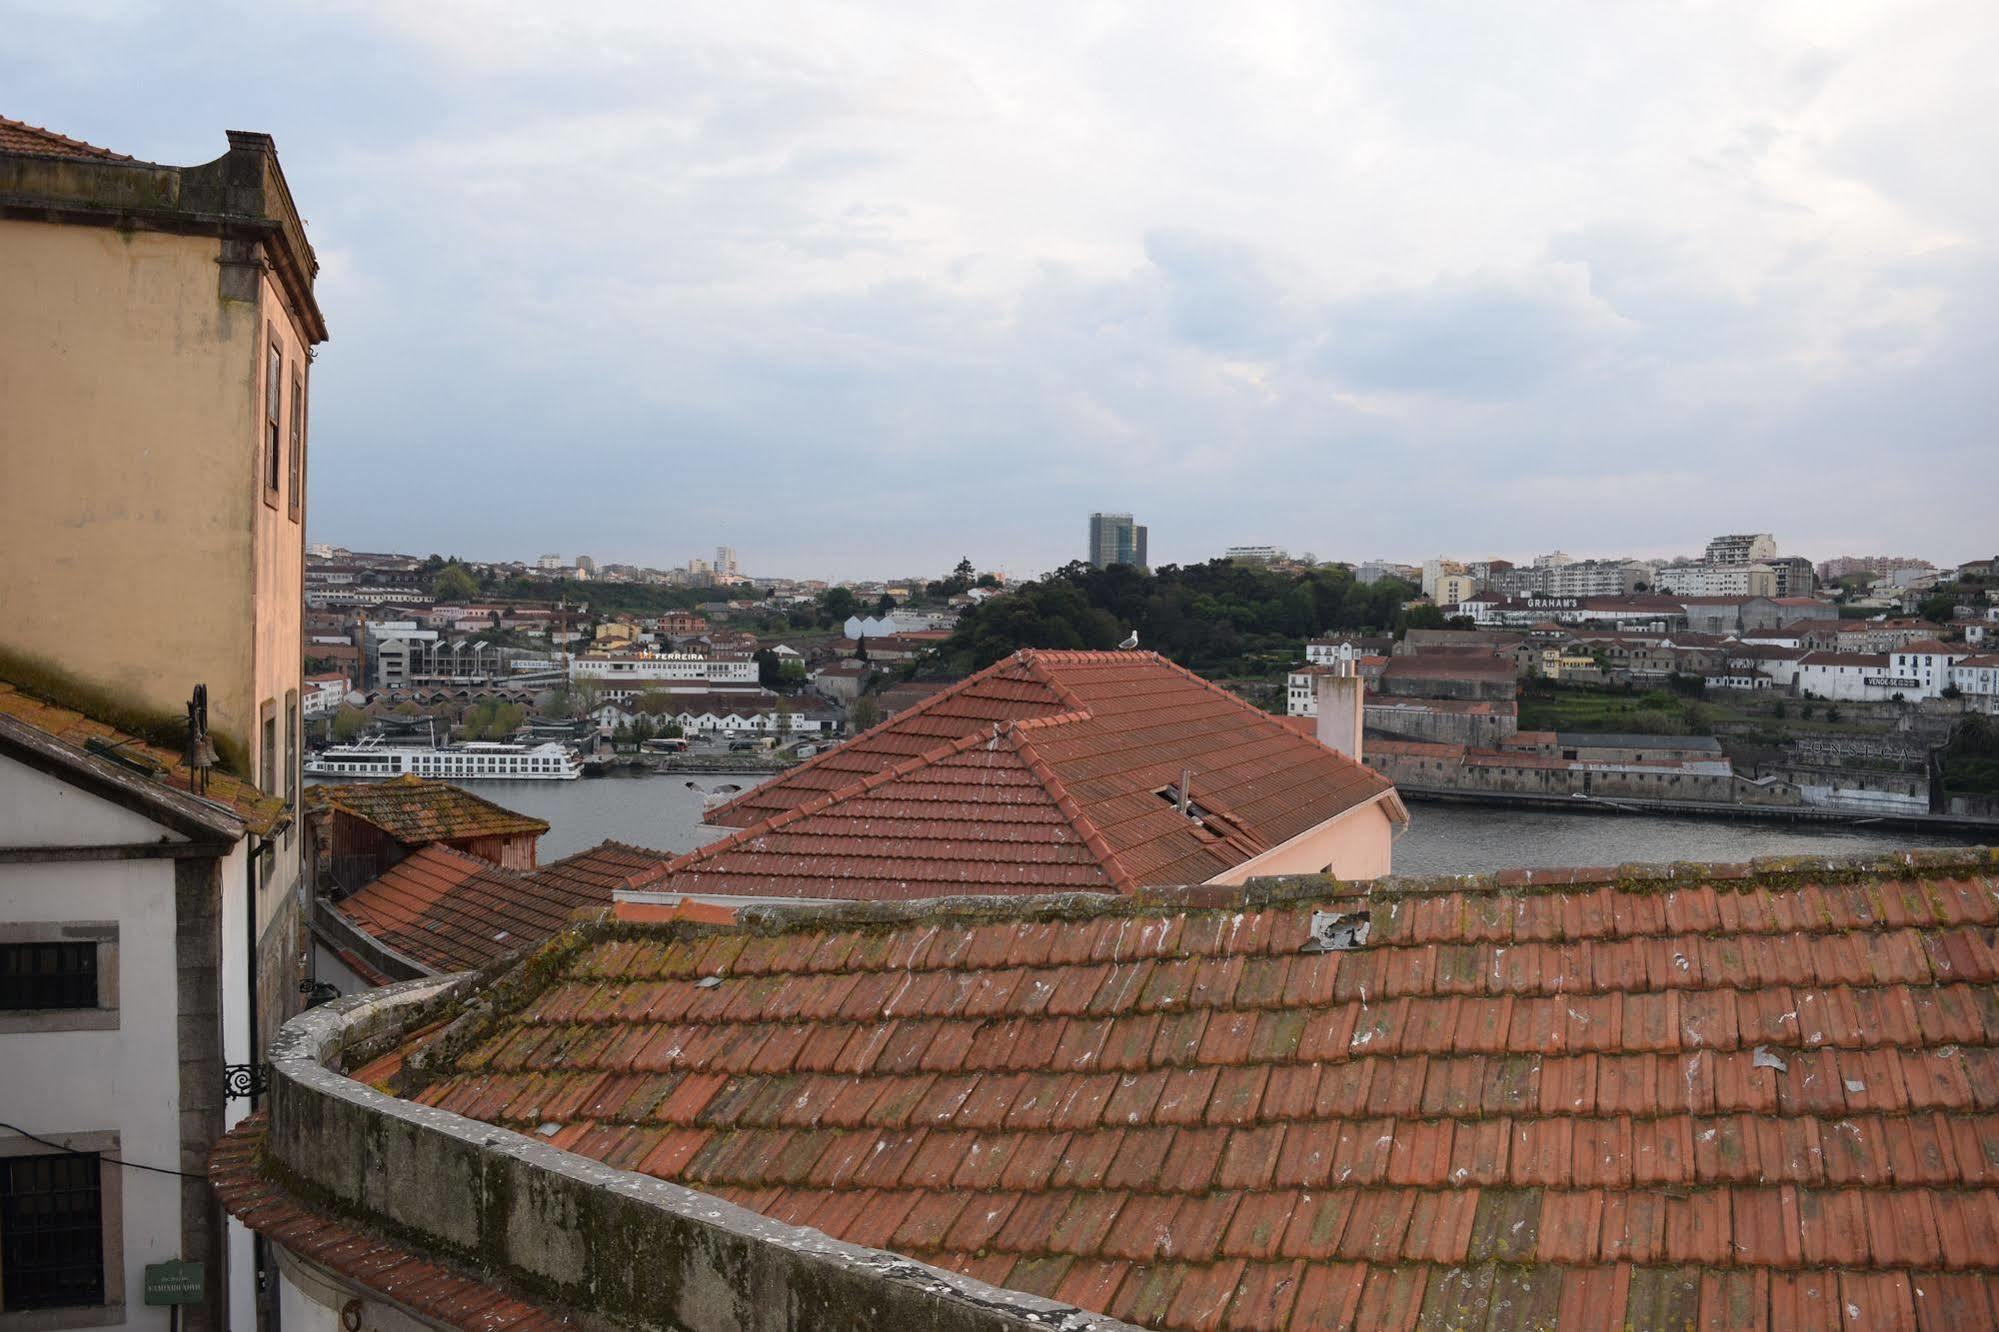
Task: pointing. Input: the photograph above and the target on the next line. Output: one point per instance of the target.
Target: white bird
(1130, 641)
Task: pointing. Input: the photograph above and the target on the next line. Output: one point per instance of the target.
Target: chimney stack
(1337, 691)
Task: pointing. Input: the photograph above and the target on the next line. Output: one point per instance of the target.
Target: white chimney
(1337, 690)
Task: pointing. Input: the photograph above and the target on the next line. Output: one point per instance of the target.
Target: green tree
(492, 719)
(453, 583)
(836, 605)
(864, 713)
(349, 722)
(1939, 607)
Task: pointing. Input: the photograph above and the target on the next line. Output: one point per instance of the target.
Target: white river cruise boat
(470, 762)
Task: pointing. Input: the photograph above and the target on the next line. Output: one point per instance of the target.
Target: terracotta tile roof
(18, 137)
(448, 911)
(260, 813)
(591, 875)
(1038, 774)
(417, 811)
(439, 1294)
(1450, 666)
(1594, 1097)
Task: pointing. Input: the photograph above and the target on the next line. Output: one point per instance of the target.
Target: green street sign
(174, 1282)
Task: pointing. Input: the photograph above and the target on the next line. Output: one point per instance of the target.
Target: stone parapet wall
(624, 1249)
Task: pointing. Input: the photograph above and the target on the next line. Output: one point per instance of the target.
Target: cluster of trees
(780, 674)
(962, 579)
(1218, 618)
(491, 719)
(1971, 760)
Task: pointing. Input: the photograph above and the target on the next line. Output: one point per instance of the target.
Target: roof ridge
(920, 706)
(1032, 658)
(1093, 837)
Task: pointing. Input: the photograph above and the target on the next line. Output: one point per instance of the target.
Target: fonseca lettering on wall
(1891, 682)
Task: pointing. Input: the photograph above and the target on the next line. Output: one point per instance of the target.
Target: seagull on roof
(1130, 642)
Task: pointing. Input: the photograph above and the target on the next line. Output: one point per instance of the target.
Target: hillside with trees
(1218, 618)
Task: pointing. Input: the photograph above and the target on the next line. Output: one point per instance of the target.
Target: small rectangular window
(267, 767)
(294, 497)
(35, 976)
(274, 393)
(51, 1231)
(291, 748)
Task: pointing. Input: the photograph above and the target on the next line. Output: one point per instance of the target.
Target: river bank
(664, 814)
(1985, 830)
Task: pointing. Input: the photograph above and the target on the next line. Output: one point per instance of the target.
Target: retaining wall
(625, 1249)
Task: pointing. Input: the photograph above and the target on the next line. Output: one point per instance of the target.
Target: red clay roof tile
(1038, 774)
(1649, 1114)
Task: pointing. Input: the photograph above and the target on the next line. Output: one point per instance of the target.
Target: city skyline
(1351, 280)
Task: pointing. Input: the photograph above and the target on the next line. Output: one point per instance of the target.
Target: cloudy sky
(858, 291)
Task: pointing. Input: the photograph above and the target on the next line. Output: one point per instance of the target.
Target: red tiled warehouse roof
(1038, 774)
(1715, 1096)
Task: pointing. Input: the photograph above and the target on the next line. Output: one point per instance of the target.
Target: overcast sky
(857, 291)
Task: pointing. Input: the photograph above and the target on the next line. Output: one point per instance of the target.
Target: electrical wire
(129, 1165)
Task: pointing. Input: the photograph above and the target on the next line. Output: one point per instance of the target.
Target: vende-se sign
(1892, 682)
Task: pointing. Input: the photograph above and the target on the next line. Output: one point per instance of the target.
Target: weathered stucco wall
(128, 383)
(1358, 845)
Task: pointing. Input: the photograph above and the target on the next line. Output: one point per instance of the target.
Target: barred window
(51, 1231)
(37, 976)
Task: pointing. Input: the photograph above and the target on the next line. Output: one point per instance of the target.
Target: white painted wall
(39, 810)
(125, 1081)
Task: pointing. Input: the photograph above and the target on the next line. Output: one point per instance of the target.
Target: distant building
(1591, 578)
(1452, 588)
(641, 672)
(585, 565)
(1876, 566)
(1435, 569)
(1116, 539)
(549, 562)
(1795, 577)
(1370, 572)
(1256, 554)
(1742, 548)
(1717, 580)
(725, 560)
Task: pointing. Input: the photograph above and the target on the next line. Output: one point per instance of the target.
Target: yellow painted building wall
(131, 392)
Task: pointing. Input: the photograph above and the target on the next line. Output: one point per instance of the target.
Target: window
(51, 1231)
(274, 393)
(38, 976)
(267, 767)
(295, 497)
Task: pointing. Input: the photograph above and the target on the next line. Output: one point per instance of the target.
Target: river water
(664, 813)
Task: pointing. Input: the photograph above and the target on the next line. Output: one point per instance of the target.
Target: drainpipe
(250, 962)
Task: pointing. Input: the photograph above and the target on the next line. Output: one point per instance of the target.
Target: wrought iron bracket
(245, 1080)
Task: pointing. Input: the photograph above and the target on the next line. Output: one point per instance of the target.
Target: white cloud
(1353, 277)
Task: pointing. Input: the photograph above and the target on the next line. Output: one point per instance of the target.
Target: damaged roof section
(1761, 1095)
(417, 811)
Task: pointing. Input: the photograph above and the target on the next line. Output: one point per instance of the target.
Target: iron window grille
(51, 1231)
(36, 976)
